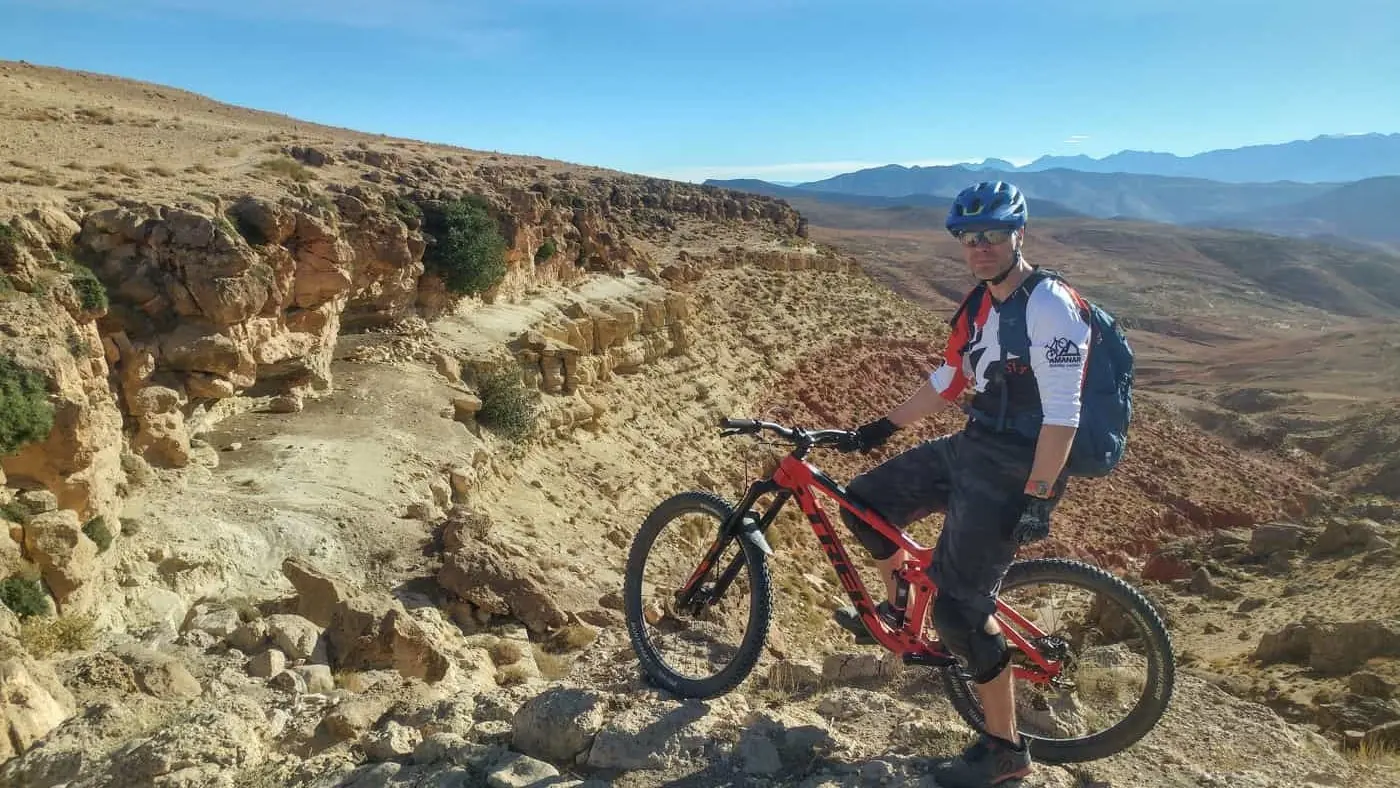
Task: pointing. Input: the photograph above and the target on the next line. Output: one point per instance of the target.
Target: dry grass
(1375, 753)
(785, 684)
(518, 673)
(97, 115)
(552, 666)
(119, 168)
(43, 636)
(508, 652)
(43, 178)
(44, 115)
(286, 168)
(573, 638)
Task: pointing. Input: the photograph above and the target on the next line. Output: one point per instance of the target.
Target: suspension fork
(743, 525)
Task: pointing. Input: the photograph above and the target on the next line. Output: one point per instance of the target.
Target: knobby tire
(760, 611)
(1161, 670)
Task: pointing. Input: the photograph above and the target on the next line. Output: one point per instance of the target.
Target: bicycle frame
(796, 478)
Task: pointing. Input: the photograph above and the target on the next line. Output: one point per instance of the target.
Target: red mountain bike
(1092, 659)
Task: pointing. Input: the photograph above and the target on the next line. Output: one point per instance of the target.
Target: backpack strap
(1049, 273)
(971, 303)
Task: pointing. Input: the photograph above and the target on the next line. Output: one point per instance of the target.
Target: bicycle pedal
(929, 660)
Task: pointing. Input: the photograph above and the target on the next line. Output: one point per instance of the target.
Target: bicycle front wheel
(1118, 672)
(708, 644)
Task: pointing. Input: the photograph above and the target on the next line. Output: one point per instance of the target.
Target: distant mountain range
(1366, 209)
(1153, 197)
(1362, 209)
(1045, 208)
(1332, 158)
(832, 209)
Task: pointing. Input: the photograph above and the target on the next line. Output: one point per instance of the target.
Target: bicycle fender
(749, 530)
(756, 538)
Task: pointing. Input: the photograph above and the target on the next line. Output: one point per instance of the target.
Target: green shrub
(92, 294)
(9, 245)
(506, 405)
(405, 208)
(24, 596)
(467, 249)
(77, 345)
(25, 412)
(97, 530)
(546, 251)
(242, 226)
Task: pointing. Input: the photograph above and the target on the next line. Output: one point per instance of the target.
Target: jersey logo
(1062, 352)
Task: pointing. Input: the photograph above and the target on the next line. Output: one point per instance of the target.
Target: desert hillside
(322, 453)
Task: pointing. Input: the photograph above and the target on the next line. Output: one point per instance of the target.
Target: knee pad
(963, 633)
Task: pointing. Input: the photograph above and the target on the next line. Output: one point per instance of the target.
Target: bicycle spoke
(1113, 656)
(1101, 679)
(695, 637)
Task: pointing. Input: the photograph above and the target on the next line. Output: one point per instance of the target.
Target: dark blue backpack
(1106, 404)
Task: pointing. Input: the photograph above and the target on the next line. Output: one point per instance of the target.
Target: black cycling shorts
(976, 478)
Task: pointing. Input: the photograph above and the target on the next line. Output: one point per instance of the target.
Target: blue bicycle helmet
(989, 203)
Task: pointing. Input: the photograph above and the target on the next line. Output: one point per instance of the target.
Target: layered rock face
(248, 299)
(47, 329)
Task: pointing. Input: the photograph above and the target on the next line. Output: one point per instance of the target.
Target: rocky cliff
(141, 317)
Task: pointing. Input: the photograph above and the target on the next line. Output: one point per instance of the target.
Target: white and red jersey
(1046, 378)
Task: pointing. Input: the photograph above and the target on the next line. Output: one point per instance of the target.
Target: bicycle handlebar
(803, 438)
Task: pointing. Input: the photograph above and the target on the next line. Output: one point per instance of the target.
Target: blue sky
(779, 89)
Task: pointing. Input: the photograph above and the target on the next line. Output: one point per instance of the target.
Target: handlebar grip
(738, 424)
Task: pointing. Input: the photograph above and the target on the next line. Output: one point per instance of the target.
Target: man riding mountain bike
(998, 479)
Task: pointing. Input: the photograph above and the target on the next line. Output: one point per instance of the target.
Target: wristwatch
(1039, 489)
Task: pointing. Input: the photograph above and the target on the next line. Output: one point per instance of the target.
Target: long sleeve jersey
(1048, 381)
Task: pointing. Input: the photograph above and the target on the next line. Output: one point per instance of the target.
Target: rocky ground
(284, 535)
(1297, 616)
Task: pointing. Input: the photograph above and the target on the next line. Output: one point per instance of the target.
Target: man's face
(988, 250)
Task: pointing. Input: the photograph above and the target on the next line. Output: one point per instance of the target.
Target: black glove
(1034, 523)
(869, 436)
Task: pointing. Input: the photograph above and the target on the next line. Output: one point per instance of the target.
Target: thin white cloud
(1075, 139)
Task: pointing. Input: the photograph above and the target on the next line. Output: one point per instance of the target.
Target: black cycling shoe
(850, 621)
(989, 761)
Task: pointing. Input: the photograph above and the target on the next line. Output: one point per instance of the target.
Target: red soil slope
(1175, 479)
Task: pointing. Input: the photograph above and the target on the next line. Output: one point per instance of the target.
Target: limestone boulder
(502, 585)
(559, 724)
(374, 631)
(297, 637)
(55, 542)
(319, 593)
(34, 703)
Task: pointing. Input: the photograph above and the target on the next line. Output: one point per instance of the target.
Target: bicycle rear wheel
(1119, 669)
(677, 643)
